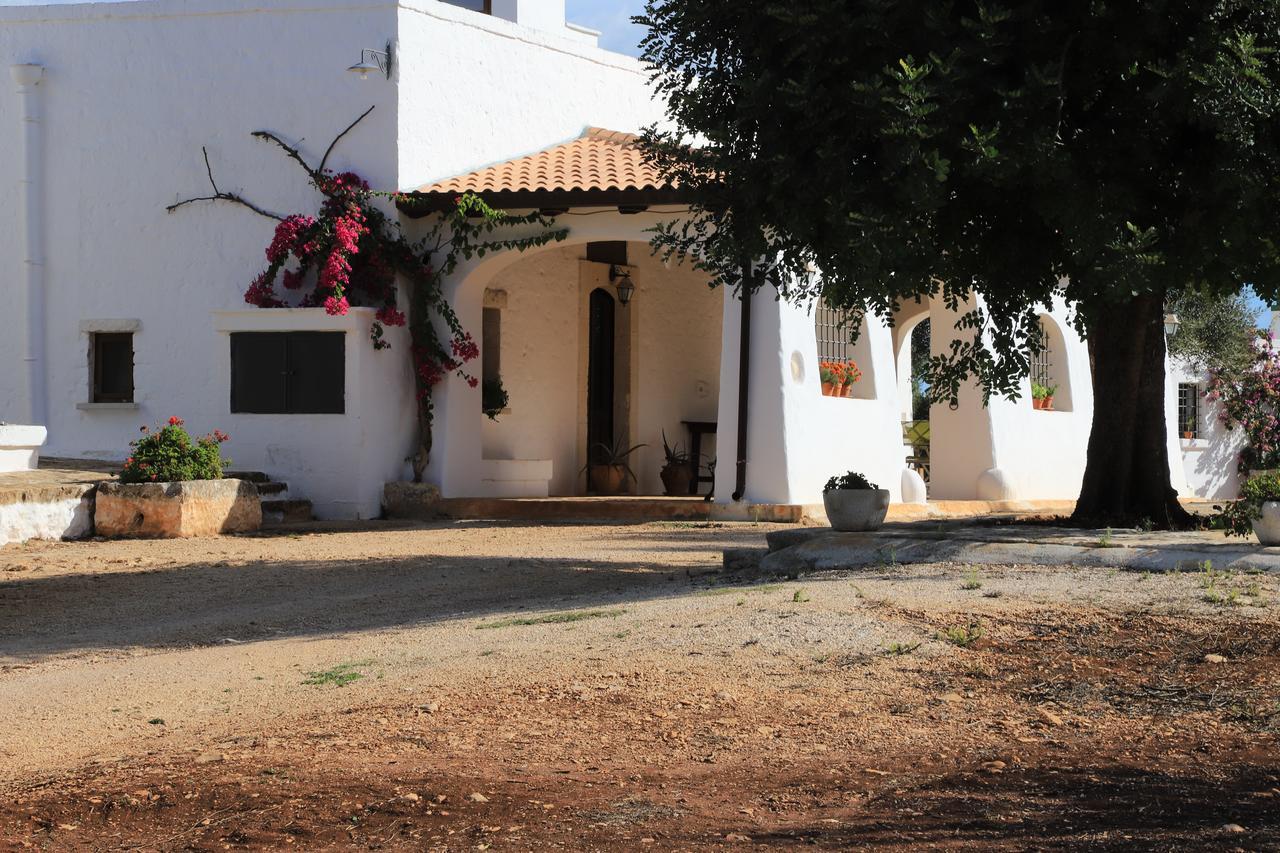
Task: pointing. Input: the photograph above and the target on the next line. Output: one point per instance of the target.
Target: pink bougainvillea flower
(336, 306)
(390, 316)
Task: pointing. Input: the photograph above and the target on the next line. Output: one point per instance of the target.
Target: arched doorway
(601, 398)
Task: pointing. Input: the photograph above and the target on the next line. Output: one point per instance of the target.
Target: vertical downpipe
(31, 193)
(744, 384)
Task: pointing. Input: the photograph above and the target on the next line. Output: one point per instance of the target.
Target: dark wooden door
(600, 365)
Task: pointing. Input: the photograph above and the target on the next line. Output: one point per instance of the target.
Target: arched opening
(912, 358)
(1050, 378)
(840, 342)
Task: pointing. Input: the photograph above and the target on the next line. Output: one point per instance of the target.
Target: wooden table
(697, 429)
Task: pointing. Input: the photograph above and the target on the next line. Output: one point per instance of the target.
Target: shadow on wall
(1215, 466)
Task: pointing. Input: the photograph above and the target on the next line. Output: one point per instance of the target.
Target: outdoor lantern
(1171, 324)
(373, 60)
(622, 280)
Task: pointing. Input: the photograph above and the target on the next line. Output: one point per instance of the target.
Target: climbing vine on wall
(350, 253)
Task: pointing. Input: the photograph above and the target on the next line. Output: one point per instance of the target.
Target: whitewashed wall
(797, 438)
(1208, 462)
(131, 93)
(476, 90)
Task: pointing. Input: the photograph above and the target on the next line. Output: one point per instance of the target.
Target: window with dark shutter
(112, 355)
(288, 373)
(485, 6)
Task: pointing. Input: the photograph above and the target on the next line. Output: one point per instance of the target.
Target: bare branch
(288, 149)
(329, 150)
(231, 197)
(219, 195)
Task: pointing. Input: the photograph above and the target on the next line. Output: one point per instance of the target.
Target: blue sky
(612, 18)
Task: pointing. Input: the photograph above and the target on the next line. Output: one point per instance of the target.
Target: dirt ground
(504, 686)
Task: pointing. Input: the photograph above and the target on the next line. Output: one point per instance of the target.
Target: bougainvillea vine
(350, 254)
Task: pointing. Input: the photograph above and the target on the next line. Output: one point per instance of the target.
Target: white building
(110, 105)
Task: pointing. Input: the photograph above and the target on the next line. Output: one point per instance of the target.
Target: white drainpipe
(31, 191)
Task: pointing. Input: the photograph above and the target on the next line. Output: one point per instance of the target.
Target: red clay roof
(598, 161)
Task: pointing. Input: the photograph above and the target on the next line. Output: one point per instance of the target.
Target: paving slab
(802, 550)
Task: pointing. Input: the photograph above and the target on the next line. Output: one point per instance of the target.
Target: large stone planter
(1267, 528)
(176, 510)
(851, 510)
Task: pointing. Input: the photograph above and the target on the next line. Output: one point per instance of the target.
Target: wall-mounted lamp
(1171, 324)
(373, 60)
(622, 280)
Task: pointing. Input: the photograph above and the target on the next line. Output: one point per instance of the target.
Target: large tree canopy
(1110, 152)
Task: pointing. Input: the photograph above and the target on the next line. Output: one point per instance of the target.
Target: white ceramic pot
(1267, 528)
(852, 510)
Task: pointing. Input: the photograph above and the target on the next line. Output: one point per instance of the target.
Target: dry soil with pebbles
(507, 686)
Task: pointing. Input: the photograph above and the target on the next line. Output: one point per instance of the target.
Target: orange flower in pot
(851, 375)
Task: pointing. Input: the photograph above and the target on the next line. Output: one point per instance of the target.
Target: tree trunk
(1126, 478)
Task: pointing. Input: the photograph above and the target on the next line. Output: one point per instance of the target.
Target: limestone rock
(417, 501)
(176, 510)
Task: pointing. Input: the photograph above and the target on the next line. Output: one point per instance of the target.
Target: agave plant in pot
(1257, 511)
(608, 470)
(855, 503)
(676, 474)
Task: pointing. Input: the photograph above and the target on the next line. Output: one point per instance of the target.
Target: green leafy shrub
(851, 481)
(169, 455)
(1237, 518)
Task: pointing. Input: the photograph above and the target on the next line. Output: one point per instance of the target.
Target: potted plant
(608, 472)
(494, 397)
(1189, 428)
(832, 373)
(676, 474)
(172, 486)
(1257, 511)
(854, 503)
(1042, 396)
(852, 374)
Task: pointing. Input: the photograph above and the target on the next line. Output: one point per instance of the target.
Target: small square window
(111, 364)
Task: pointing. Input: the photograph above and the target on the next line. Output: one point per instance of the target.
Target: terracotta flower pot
(828, 389)
(1188, 435)
(676, 480)
(847, 390)
(608, 479)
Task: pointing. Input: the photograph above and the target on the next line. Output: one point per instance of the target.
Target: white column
(31, 203)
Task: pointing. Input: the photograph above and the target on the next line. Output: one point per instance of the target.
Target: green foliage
(963, 635)
(170, 455)
(1237, 518)
(1042, 392)
(676, 456)
(1102, 152)
(552, 619)
(852, 481)
(494, 397)
(1215, 332)
(338, 676)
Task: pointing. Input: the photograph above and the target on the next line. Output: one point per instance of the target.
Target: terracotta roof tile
(599, 160)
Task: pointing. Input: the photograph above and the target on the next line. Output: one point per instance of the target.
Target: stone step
(273, 490)
(251, 476)
(282, 512)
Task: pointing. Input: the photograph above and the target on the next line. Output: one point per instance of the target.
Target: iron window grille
(1189, 409)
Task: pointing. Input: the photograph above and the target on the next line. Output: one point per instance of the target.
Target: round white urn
(1267, 528)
